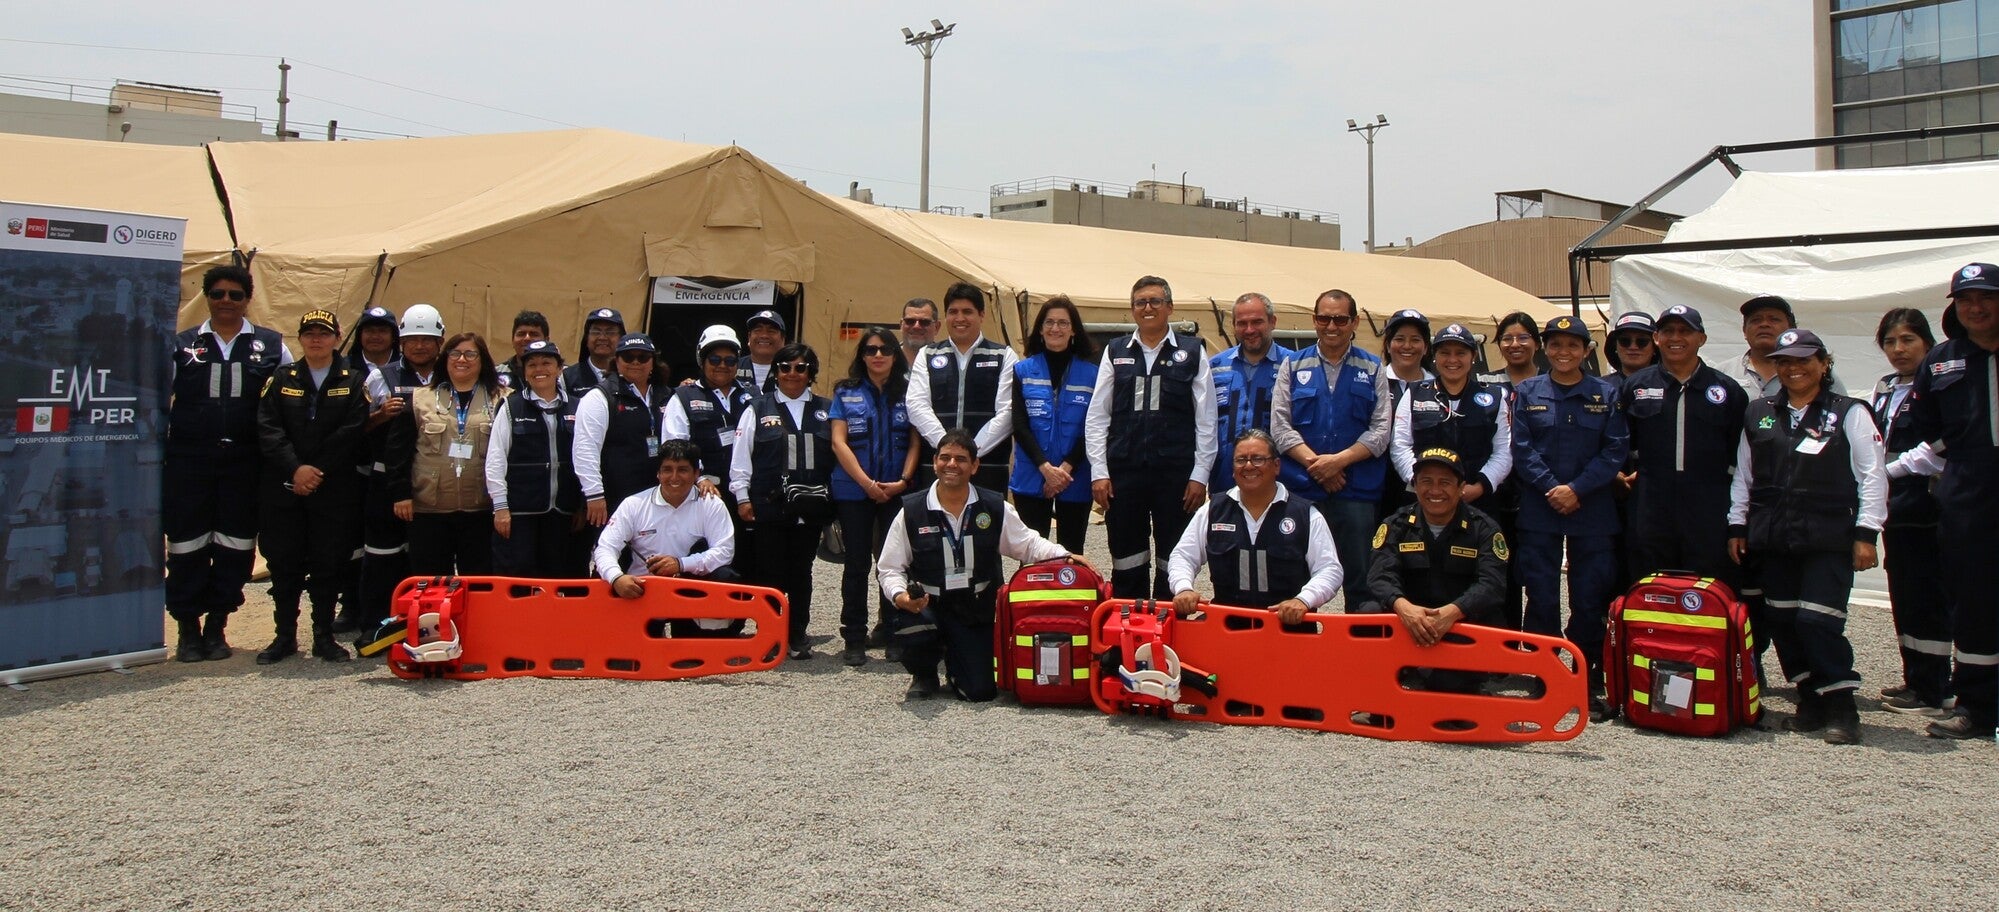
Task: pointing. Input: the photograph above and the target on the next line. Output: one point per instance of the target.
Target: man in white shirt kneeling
(671, 531)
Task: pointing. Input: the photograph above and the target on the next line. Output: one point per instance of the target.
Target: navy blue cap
(1635, 321)
(376, 315)
(1684, 314)
(1407, 317)
(1455, 332)
(1975, 277)
(1566, 325)
(540, 347)
(636, 342)
(1798, 343)
(605, 315)
(765, 316)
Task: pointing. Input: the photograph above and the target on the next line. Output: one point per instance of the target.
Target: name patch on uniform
(928, 530)
(1120, 362)
(1595, 408)
(1946, 367)
(986, 362)
(1409, 546)
(289, 391)
(1221, 527)
(1462, 551)
(1533, 408)
(700, 405)
(1431, 405)
(771, 421)
(1648, 392)
(339, 391)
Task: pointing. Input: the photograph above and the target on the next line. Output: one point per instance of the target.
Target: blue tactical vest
(877, 433)
(540, 476)
(215, 401)
(1260, 572)
(1242, 401)
(1152, 412)
(1332, 420)
(1056, 418)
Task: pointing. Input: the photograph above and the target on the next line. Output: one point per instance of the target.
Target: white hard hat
(715, 334)
(422, 320)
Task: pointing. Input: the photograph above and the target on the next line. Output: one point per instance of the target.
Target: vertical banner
(87, 308)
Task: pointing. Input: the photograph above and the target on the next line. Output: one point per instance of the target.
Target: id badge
(652, 447)
(1811, 446)
(725, 437)
(958, 580)
(460, 450)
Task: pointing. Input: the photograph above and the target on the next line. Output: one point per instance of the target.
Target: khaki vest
(439, 483)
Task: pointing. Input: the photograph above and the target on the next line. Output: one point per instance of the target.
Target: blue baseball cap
(1684, 314)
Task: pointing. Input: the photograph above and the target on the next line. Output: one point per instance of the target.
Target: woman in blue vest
(1809, 498)
(530, 473)
(1051, 396)
(875, 446)
(1910, 550)
(784, 447)
(1405, 349)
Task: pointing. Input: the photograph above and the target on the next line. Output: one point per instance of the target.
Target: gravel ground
(315, 786)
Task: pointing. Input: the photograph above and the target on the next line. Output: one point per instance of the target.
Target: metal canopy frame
(1591, 249)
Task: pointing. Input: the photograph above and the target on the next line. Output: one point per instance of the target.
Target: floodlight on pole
(1367, 131)
(926, 44)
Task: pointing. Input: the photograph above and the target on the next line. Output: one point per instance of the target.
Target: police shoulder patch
(1381, 535)
(1499, 546)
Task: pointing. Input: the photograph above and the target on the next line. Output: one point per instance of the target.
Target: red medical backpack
(1678, 656)
(1041, 635)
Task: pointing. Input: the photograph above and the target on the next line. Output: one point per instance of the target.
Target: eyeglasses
(231, 294)
(793, 367)
(603, 332)
(462, 355)
(876, 351)
(634, 357)
(1056, 324)
(916, 322)
(723, 360)
(1150, 303)
(1254, 461)
(953, 458)
(1332, 319)
(1516, 340)
(1628, 341)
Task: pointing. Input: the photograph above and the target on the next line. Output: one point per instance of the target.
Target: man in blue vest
(209, 479)
(1151, 423)
(1263, 547)
(965, 381)
(1330, 414)
(1244, 376)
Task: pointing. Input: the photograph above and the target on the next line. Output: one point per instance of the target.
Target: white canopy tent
(1839, 290)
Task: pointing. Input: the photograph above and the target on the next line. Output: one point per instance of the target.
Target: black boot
(1811, 711)
(1842, 724)
(324, 646)
(191, 648)
(218, 646)
(286, 644)
(347, 621)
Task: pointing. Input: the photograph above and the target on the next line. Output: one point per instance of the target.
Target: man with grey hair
(1244, 376)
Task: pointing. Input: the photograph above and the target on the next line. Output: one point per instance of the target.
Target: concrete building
(1162, 207)
(139, 112)
(1527, 243)
(1886, 65)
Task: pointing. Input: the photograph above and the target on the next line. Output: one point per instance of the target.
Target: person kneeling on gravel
(941, 567)
(671, 531)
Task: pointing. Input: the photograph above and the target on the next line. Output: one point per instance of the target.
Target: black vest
(534, 471)
(746, 377)
(580, 378)
(974, 405)
(932, 553)
(712, 429)
(215, 400)
(1910, 501)
(626, 466)
(784, 453)
(1469, 431)
(1672, 465)
(1152, 412)
(1258, 573)
(1800, 501)
(403, 382)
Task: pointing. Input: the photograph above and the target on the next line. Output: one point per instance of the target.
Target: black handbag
(809, 504)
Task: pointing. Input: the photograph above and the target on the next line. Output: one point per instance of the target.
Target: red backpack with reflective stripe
(1678, 656)
(1041, 635)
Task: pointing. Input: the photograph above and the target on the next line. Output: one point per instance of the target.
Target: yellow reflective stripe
(1639, 661)
(1024, 674)
(1023, 640)
(1080, 674)
(1081, 639)
(1703, 709)
(1703, 674)
(1641, 698)
(1052, 595)
(1755, 690)
(1676, 620)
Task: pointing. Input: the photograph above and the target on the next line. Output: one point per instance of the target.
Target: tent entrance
(680, 307)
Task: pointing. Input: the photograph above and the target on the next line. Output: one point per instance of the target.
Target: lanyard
(464, 410)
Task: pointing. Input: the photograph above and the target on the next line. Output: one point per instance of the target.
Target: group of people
(1402, 482)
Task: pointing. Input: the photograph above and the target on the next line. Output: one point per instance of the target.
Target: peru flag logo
(41, 419)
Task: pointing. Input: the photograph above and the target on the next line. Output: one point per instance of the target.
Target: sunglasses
(1634, 341)
(876, 351)
(1332, 319)
(634, 357)
(916, 322)
(794, 367)
(722, 360)
(227, 294)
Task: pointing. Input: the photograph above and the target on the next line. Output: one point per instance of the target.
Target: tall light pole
(926, 44)
(1366, 132)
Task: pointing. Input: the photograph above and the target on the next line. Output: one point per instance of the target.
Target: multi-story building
(1162, 207)
(1897, 65)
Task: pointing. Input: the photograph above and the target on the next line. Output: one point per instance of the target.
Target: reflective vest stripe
(1676, 620)
(1052, 595)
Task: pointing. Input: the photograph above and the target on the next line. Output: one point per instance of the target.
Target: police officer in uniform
(384, 538)
(309, 427)
(1569, 440)
(1682, 414)
(208, 484)
(599, 353)
(705, 413)
(1455, 412)
(1263, 547)
(1437, 563)
(940, 566)
(1810, 496)
(1956, 410)
(1244, 375)
(1151, 423)
(966, 381)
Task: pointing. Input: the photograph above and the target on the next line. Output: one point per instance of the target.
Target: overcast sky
(1598, 99)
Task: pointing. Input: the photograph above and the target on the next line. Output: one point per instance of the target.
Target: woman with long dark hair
(1405, 354)
(784, 446)
(1910, 552)
(1052, 387)
(531, 472)
(440, 452)
(876, 448)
